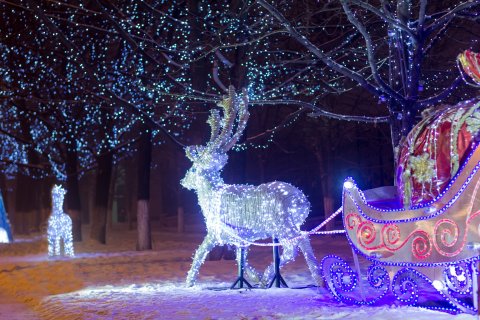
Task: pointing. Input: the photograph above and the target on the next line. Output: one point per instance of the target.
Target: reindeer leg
(68, 243)
(200, 255)
(57, 245)
(51, 245)
(306, 248)
(288, 254)
(249, 270)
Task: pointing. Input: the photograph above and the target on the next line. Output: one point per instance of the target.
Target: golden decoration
(423, 168)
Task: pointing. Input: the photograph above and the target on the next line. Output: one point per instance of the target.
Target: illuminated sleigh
(422, 244)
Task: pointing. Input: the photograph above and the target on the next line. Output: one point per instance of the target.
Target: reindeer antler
(229, 114)
(242, 115)
(233, 109)
(222, 136)
(214, 122)
(192, 152)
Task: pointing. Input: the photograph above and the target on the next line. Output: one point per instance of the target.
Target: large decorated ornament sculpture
(239, 214)
(59, 229)
(430, 240)
(5, 228)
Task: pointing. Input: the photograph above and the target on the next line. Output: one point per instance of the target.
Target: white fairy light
(59, 226)
(348, 184)
(5, 227)
(3, 236)
(437, 284)
(240, 214)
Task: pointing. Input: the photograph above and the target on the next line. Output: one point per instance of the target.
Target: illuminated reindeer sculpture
(239, 214)
(59, 226)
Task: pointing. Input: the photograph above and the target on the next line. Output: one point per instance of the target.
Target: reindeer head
(58, 194)
(208, 160)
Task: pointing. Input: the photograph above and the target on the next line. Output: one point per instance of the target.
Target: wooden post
(180, 220)
(144, 153)
(144, 240)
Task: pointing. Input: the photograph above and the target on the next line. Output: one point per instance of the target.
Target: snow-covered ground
(114, 281)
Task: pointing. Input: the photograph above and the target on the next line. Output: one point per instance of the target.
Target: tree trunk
(144, 240)
(28, 206)
(102, 187)
(26, 200)
(323, 159)
(111, 198)
(45, 202)
(130, 192)
(73, 195)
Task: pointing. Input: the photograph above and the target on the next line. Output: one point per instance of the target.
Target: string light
(3, 236)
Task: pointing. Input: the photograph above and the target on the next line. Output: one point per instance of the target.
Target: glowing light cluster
(3, 236)
(239, 214)
(5, 227)
(59, 231)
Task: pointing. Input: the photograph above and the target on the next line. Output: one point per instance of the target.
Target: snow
(114, 281)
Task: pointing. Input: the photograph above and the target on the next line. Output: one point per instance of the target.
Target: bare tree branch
(317, 52)
(216, 78)
(384, 17)
(370, 52)
(111, 96)
(316, 111)
(451, 14)
(441, 96)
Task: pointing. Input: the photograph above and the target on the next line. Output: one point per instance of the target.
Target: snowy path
(115, 282)
(13, 310)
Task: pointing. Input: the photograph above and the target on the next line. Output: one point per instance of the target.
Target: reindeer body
(59, 230)
(275, 209)
(239, 214)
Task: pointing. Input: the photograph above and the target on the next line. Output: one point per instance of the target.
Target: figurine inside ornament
(239, 214)
(424, 234)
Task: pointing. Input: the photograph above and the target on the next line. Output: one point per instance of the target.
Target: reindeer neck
(207, 191)
(57, 207)
(210, 182)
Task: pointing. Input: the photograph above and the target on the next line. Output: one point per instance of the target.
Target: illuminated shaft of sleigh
(239, 214)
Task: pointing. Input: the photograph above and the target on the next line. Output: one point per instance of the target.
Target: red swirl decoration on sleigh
(448, 238)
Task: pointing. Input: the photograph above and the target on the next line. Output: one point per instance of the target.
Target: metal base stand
(241, 279)
(277, 278)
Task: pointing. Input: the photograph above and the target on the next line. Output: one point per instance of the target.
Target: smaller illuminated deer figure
(59, 226)
(238, 214)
